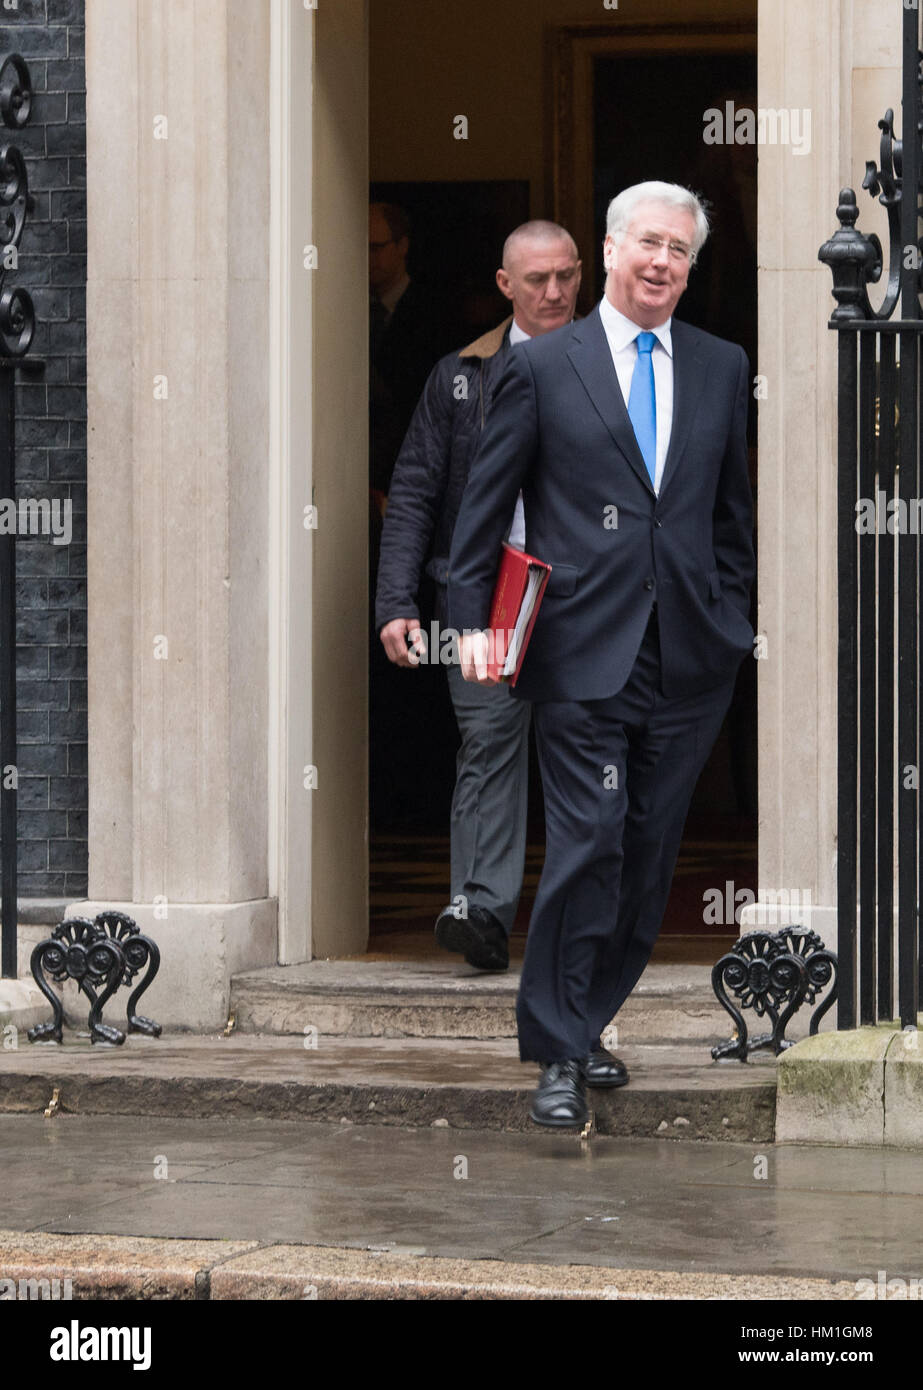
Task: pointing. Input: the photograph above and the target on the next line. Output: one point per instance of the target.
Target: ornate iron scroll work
(773, 974)
(108, 951)
(138, 951)
(856, 260)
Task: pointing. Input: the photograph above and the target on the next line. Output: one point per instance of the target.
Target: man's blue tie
(642, 403)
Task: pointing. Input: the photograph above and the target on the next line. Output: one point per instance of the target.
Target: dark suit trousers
(618, 775)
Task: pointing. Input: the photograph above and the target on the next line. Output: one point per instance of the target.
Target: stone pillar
(178, 378)
(798, 68)
(812, 57)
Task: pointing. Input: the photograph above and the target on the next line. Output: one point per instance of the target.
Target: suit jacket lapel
(592, 361)
(689, 372)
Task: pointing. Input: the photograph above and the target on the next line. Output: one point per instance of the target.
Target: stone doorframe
(196, 497)
(318, 847)
(833, 59)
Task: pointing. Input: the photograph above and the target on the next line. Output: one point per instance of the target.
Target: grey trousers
(490, 801)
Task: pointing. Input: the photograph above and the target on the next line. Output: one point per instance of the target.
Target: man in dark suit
(626, 434)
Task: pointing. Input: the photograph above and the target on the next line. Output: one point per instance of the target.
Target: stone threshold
(140, 1268)
(445, 998)
(675, 1091)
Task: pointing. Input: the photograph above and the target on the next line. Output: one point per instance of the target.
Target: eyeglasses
(678, 250)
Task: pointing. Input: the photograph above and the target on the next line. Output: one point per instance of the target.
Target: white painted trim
(290, 545)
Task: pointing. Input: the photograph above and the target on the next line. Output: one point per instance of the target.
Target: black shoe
(601, 1069)
(479, 937)
(559, 1101)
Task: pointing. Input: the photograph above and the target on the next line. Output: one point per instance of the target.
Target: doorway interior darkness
(611, 108)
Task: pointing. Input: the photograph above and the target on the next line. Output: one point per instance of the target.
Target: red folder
(520, 585)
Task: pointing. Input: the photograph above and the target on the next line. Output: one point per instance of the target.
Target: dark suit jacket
(400, 363)
(559, 429)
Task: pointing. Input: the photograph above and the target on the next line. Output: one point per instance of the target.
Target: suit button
(648, 584)
(657, 522)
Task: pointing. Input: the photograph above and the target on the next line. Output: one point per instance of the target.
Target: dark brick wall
(51, 452)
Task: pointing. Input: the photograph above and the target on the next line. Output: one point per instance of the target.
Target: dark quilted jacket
(430, 475)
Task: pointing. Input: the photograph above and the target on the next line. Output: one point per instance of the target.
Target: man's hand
(394, 640)
(473, 648)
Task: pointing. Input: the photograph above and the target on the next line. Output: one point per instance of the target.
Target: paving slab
(676, 1090)
(788, 1213)
(298, 1272)
(112, 1267)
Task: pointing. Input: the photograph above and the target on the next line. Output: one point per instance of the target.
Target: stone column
(827, 58)
(798, 68)
(178, 376)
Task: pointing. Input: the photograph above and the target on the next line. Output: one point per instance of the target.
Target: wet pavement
(541, 1198)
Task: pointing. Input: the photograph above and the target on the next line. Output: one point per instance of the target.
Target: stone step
(436, 999)
(675, 1091)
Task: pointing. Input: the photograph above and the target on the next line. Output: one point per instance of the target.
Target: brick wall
(51, 451)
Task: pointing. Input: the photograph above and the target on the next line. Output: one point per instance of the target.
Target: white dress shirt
(621, 334)
(517, 536)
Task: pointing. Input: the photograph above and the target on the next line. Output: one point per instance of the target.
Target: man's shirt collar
(519, 335)
(621, 331)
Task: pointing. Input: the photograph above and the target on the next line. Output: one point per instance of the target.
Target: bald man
(540, 275)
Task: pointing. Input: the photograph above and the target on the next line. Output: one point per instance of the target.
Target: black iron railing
(878, 561)
(17, 325)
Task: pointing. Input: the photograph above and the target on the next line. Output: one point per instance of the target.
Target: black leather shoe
(479, 937)
(601, 1069)
(559, 1101)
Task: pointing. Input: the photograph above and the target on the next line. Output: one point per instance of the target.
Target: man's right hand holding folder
(473, 651)
(497, 653)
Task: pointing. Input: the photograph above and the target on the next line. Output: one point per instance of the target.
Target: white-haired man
(627, 434)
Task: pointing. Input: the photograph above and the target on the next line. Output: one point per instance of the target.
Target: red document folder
(520, 585)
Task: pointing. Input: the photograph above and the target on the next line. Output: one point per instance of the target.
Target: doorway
(597, 106)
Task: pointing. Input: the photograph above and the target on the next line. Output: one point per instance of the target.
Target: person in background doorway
(540, 275)
(406, 337)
